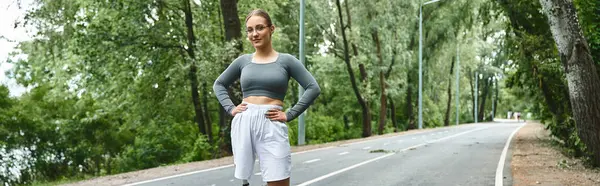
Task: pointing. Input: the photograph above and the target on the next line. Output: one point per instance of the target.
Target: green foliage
(588, 12)
(162, 143)
(111, 92)
(539, 78)
(323, 129)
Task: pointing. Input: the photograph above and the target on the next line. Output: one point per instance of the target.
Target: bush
(322, 129)
(160, 144)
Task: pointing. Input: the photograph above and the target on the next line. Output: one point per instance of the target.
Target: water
(18, 160)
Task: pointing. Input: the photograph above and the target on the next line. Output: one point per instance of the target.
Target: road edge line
(178, 175)
(500, 169)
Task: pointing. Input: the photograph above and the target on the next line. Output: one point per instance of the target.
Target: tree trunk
(393, 116)
(409, 89)
(363, 72)
(231, 21)
(484, 95)
(191, 42)
(98, 167)
(365, 109)
(409, 104)
(346, 123)
(472, 94)
(495, 97)
(233, 33)
(447, 115)
(224, 132)
(582, 77)
(108, 165)
(349, 25)
(387, 75)
(415, 102)
(205, 111)
(382, 84)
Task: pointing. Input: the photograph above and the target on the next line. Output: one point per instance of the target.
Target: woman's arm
(221, 84)
(310, 85)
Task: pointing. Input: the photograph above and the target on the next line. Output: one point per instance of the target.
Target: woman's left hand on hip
(276, 114)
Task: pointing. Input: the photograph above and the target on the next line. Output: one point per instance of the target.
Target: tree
(190, 49)
(366, 115)
(581, 73)
(233, 35)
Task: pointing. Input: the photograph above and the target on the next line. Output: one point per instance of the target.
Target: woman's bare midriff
(263, 100)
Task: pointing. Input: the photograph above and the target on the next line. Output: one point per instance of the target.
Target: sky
(9, 13)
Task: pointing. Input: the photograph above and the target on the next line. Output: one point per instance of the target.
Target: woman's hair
(261, 13)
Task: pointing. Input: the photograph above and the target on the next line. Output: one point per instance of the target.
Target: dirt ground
(535, 161)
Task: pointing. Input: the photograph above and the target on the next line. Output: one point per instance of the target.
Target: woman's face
(259, 32)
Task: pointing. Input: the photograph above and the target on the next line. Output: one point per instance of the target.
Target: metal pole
(457, 83)
(493, 101)
(301, 118)
(476, 95)
(420, 66)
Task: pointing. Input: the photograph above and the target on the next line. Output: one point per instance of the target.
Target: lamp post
(421, 61)
(476, 94)
(301, 119)
(494, 85)
(457, 83)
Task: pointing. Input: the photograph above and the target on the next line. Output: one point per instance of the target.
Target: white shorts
(253, 133)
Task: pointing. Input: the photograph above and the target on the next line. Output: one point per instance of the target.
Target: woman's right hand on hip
(240, 108)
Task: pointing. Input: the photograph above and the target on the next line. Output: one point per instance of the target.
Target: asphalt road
(462, 155)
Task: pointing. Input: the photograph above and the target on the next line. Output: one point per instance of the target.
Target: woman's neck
(265, 52)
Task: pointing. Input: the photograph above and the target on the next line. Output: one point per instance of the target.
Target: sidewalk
(535, 161)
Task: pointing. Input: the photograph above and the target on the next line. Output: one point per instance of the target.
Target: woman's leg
(285, 182)
(241, 144)
(273, 150)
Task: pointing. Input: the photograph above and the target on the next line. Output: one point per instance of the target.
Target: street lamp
(457, 82)
(301, 119)
(421, 61)
(476, 94)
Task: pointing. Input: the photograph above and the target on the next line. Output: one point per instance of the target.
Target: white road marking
(385, 144)
(500, 168)
(179, 175)
(359, 142)
(343, 170)
(302, 152)
(343, 153)
(366, 148)
(380, 157)
(311, 161)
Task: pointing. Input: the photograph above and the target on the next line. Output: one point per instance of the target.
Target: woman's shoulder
(243, 59)
(287, 56)
(288, 59)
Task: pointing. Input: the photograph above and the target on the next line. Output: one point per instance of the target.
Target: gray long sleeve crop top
(267, 79)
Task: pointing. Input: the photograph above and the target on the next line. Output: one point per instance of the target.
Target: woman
(258, 126)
